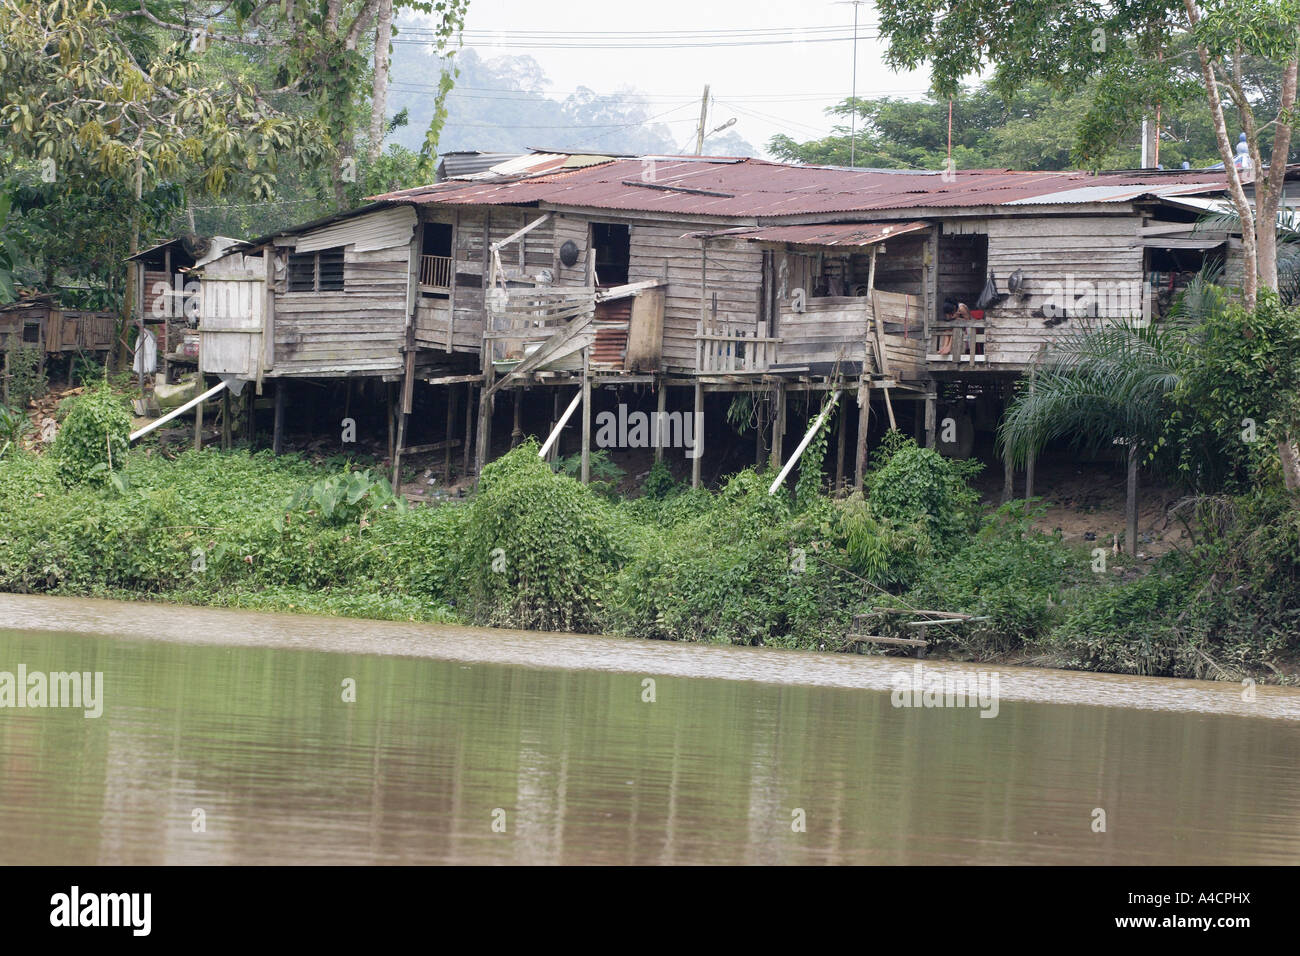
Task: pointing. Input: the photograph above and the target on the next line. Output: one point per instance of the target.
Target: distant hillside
(498, 105)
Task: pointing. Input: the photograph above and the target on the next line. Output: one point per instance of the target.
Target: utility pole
(704, 115)
(853, 101)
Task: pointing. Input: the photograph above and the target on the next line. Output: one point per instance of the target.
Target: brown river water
(225, 737)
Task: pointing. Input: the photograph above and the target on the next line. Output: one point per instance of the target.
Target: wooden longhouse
(703, 275)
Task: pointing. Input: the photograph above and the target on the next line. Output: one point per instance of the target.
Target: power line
(504, 43)
(488, 93)
(821, 28)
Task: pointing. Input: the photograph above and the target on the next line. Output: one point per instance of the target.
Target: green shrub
(26, 380)
(92, 441)
(737, 567)
(910, 484)
(659, 483)
(344, 498)
(1015, 578)
(14, 424)
(536, 548)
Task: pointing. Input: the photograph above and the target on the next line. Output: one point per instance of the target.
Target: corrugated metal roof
(516, 166)
(1115, 193)
(753, 187)
(469, 162)
(847, 234)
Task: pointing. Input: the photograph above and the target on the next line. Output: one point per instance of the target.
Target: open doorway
(613, 245)
(435, 258)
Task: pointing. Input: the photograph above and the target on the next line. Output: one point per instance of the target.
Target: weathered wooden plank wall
(734, 272)
(1050, 251)
(360, 329)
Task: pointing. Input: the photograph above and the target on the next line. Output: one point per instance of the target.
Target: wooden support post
(553, 454)
(864, 427)
(931, 412)
(1030, 461)
(698, 429)
(760, 419)
(408, 402)
(225, 420)
(1008, 476)
(841, 440)
(1131, 499)
(466, 459)
(517, 429)
(586, 417)
(397, 452)
(392, 419)
(485, 399)
(660, 419)
(778, 426)
(277, 429)
(198, 425)
(250, 417)
(448, 436)
(807, 438)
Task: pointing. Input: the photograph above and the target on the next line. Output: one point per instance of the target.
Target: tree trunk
(1286, 452)
(1268, 189)
(1250, 257)
(379, 90)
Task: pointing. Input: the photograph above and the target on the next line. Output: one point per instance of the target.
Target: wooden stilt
(466, 459)
(931, 412)
(760, 418)
(408, 403)
(1008, 477)
(698, 430)
(517, 429)
(661, 417)
(778, 426)
(225, 420)
(486, 397)
(198, 425)
(250, 417)
(586, 418)
(448, 434)
(1131, 499)
(864, 428)
(392, 419)
(397, 452)
(840, 441)
(553, 453)
(277, 428)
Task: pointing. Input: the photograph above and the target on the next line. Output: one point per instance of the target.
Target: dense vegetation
(535, 548)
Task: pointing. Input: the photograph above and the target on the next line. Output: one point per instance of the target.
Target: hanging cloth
(146, 354)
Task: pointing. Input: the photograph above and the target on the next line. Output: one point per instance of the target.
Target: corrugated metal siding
(378, 230)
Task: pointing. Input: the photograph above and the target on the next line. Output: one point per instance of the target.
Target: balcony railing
(957, 341)
(723, 349)
(435, 271)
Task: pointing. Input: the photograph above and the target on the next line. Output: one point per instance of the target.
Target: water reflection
(260, 740)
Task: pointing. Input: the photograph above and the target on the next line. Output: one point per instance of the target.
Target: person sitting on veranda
(953, 311)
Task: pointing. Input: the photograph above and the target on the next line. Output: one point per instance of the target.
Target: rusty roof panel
(849, 234)
(758, 188)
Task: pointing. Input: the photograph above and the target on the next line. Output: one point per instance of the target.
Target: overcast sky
(770, 87)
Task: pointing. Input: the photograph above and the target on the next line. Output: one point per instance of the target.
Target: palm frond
(1097, 385)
